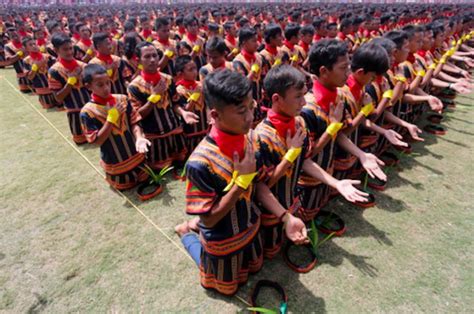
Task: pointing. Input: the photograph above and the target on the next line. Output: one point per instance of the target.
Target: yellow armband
(459, 41)
(89, 52)
(72, 80)
(243, 181)
(34, 67)
(333, 128)
(117, 36)
(401, 78)
(197, 48)
(432, 66)
(292, 154)
(194, 96)
(367, 109)
(453, 43)
(149, 39)
(140, 67)
(277, 62)
(235, 51)
(388, 94)
(421, 73)
(169, 54)
(294, 58)
(110, 72)
(442, 60)
(42, 49)
(154, 98)
(20, 53)
(255, 68)
(113, 115)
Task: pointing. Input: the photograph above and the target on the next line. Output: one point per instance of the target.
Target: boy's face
(332, 32)
(291, 104)
(414, 44)
(193, 28)
(84, 32)
(338, 74)
(277, 41)
(100, 85)
(295, 39)
(402, 54)
(183, 51)
(235, 119)
(145, 25)
(438, 41)
(251, 44)
(39, 34)
(190, 71)
(363, 77)
(105, 47)
(31, 46)
(215, 58)
(149, 59)
(427, 40)
(163, 32)
(66, 51)
(307, 38)
(232, 31)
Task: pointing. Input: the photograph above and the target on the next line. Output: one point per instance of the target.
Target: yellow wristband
(459, 41)
(244, 180)
(277, 62)
(34, 67)
(42, 49)
(89, 52)
(154, 98)
(194, 96)
(421, 73)
(432, 66)
(110, 72)
(113, 115)
(72, 80)
(20, 53)
(235, 51)
(149, 39)
(294, 58)
(255, 68)
(453, 43)
(117, 36)
(401, 78)
(333, 128)
(292, 154)
(367, 109)
(468, 37)
(140, 66)
(197, 48)
(388, 94)
(169, 53)
(450, 52)
(442, 60)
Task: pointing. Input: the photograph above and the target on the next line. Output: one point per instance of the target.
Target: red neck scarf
(281, 123)
(86, 41)
(146, 33)
(22, 33)
(355, 87)
(289, 45)
(152, 78)
(41, 42)
(190, 85)
(272, 50)
(411, 58)
(323, 96)
(181, 30)
(379, 79)
(304, 45)
(109, 101)
(164, 42)
(341, 36)
(422, 53)
(76, 36)
(70, 65)
(317, 37)
(228, 143)
(250, 57)
(17, 44)
(105, 58)
(191, 37)
(230, 39)
(37, 56)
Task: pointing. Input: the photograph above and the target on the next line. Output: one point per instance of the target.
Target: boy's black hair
(216, 44)
(326, 52)
(385, 43)
(345, 23)
(292, 30)
(331, 25)
(138, 49)
(59, 39)
(181, 62)
(99, 38)
(280, 78)
(212, 27)
(161, 21)
(25, 40)
(182, 44)
(318, 22)
(271, 31)
(225, 88)
(130, 43)
(307, 30)
(129, 26)
(90, 70)
(245, 34)
(371, 58)
(398, 37)
(50, 25)
(410, 30)
(189, 19)
(228, 25)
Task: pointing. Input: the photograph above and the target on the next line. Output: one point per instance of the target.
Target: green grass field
(70, 244)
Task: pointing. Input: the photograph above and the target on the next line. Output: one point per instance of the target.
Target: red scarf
(355, 87)
(289, 45)
(164, 42)
(17, 44)
(70, 65)
(41, 42)
(379, 79)
(36, 56)
(105, 58)
(341, 36)
(323, 96)
(304, 45)
(230, 39)
(22, 33)
(190, 85)
(422, 53)
(228, 143)
(76, 36)
(181, 30)
(86, 41)
(272, 50)
(146, 33)
(411, 58)
(250, 57)
(317, 37)
(191, 37)
(281, 123)
(109, 101)
(152, 78)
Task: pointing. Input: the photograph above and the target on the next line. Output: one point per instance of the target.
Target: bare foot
(193, 224)
(182, 229)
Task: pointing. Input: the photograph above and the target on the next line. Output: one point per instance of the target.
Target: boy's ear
(359, 71)
(214, 114)
(275, 98)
